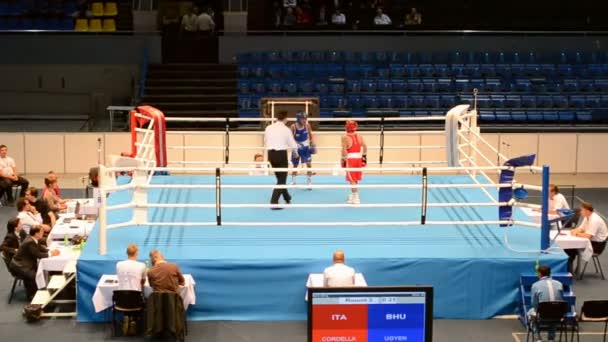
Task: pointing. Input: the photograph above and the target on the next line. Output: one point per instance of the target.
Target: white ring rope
(310, 119)
(365, 133)
(319, 169)
(236, 148)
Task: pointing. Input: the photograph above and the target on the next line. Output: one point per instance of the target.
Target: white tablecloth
(535, 215)
(70, 227)
(55, 263)
(316, 280)
(102, 298)
(567, 241)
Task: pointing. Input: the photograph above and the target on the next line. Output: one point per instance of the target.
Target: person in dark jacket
(25, 262)
(14, 235)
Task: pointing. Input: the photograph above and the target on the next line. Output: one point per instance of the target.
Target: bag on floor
(32, 312)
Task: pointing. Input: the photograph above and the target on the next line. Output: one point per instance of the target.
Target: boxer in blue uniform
(302, 133)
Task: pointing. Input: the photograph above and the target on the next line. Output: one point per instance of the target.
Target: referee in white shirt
(278, 140)
(339, 275)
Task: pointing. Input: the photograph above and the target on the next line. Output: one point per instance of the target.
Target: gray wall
(230, 45)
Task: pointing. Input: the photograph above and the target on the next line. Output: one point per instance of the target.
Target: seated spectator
(48, 216)
(413, 17)
(25, 261)
(55, 202)
(205, 23)
(302, 16)
(189, 20)
(289, 19)
(338, 18)
(9, 176)
(12, 239)
(29, 216)
(131, 273)
(339, 274)
(544, 290)
(164, 276)
(259, 163)
(381, 19)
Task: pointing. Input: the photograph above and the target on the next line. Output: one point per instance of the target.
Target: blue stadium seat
(462, 85)
(592, 101)
(320, 71)
(472, 70)
(259, 87)
(457, 70)
(354, 102)
(479, 84)
(414, 86)
(584, 116)
(243, 86)
(519, 116)
(523, 85)
(528, 101)
(324, 102)
(255, 102)
(334, 56)
(306, 86)
(604, 101)
(534, 116)
(400, 101)
(466, 99)
(429, 85)
(249, 113)
(367, 57)
(321, 88)
(353, 71)
(570, 85)
(243, 71)
(304, 70)
(544, 101)
(577, 101)
(351, 57)
(383, 72)
(424, 57)
(513, 101)
(273, 57)
(564, 70)
(368, 70)
(425, 70)
(336, 88)
(396, 57)
(441, 70)
(483, 101)
(244, 102)
(532, 70)
(487, 116)
(550, 116)
(432, 101)
(548, 70)
(386, 101)
(397, 71)
(274, 87)
(493, 85)
(335, 70)
(601, 85)
(317, 56)
(444, 85)
(287, 56)
(290, 87)
(385, 86)
(369, 86)
(457, 58)
(399, 86)
(381, 57)
(566, 116)
(415, 101)
(503, 70)
(412, 71)
(503, 116)
(370, 101)
(421, 113)
(498, 101)
(585, 85)
(560, 101)
(488, 70)
(353, 86)
(447, 101)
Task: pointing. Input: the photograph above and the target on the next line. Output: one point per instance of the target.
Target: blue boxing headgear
(301, 116)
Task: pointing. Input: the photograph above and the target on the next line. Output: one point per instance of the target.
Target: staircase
(124, 20)
(192, 90)
(54, 288)
(525, 285)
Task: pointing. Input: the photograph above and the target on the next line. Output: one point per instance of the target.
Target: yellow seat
(109, 25)
(95, 25)
(110, 10)
(97, 9)
(82, 25)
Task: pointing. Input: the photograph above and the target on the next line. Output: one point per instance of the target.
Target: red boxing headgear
(351, 126)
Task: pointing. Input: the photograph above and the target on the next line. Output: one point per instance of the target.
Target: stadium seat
(528, 101)
(444, 85)
(82, 25)
(534, 116)
(604, 101)
(306, 86)
(386, 101)
(259, 87)
(303, 57)
(583, 116)
(317, 56)
(483, 101)
(519, 116)
(601, 85)
(425, 70)
(503, 70)
(354, 102)
(412, 71)
(367, 57)
(95, 25)
(400, 101)
(447, 101)
(334, 56)
(109, 25)
(416, 101)
(244, 102)
(479, 84)
(399, 86)
(550, 116)
(544, 101)
(414, 86)
(517, 70)
(497, 101)
(513, 101)
(304, 70)
(370, 101)
(397, 71)
(560, 101)
(564, 70)
(487, 116)
(472, 70)
(592, 101)
(385, 86)
(441, 70)
(566, 116)
(462, 85)
(291, 88)
(97, 9)
(457, 70)
(432, 101)
(585, 85)
(577, 101)
(383, 73)
(353, 86)
(429, 85)
(369, 86)
(488, 70)
(336, 88)
(243, 86)
(503, 116)
(493, 85)
(570, 85)
(110, 9)
(523, 85)
(287, 56)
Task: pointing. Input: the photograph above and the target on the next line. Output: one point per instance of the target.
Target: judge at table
(131, 273)
(592, 227)
(339, 274)
(164, 276)
(25, 261)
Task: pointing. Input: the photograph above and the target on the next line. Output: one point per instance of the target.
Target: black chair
(598, 249)
(165, 313)
(595, 311)
(16, 280)
(130, 304)
(549, 314)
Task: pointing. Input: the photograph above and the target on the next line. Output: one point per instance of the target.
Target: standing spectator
(413, 18)
(48, 216)
(29, 216)
(188, 26)
(338, 18)
(289, 19)
(278, 140)
(381, 19)
(339, 274)
(164, 276)
(9, 176)
(131, 273)
(544, 290)
(12, 240)
(205, 23)
(25, 261)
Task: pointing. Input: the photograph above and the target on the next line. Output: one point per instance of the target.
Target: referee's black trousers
(278, 159)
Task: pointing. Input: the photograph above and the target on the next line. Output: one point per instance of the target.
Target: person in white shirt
(338, 18)
(131, 273)
(339, 274)
(9, 176)
(381, 18)
(592, 227)
(189, 20)
(260, 165)
(557, 201)
(205, 23)
(278, 141)
(29, 216)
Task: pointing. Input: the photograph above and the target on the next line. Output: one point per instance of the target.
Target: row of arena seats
(246, 102)
(58, 24)
(401, 71)
(95, 25)
(424, 85)
(68, 8)
(565, 57)
(502, 116)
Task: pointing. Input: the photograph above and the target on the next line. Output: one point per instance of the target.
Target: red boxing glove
(343, 162)
(364, 160)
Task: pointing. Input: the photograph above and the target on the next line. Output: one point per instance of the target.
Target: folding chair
(547, 315)
(595, 311)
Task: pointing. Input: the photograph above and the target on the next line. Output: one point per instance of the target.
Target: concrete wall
(75, 152)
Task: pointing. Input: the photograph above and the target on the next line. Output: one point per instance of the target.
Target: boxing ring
(452, 223)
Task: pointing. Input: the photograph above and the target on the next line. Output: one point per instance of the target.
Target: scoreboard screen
(370, 314)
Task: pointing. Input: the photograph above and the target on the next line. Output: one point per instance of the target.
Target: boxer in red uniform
(354, 155)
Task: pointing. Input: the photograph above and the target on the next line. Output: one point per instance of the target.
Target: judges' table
(55, 263)
(316, 280)
(102, 298)
(69, 227)
(566, 241)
